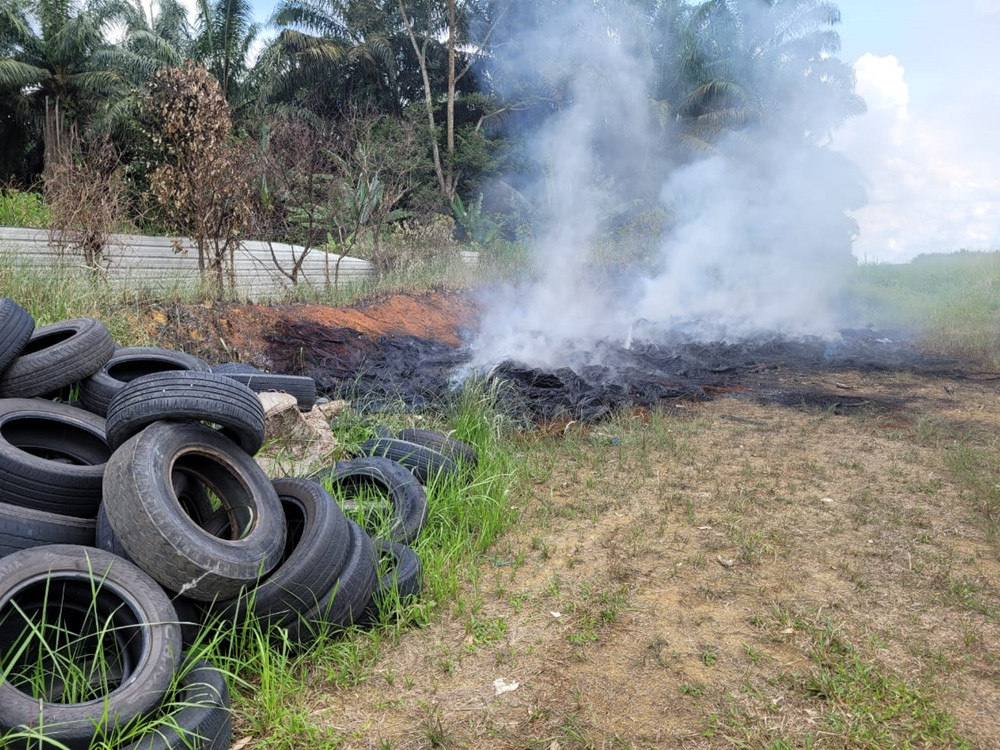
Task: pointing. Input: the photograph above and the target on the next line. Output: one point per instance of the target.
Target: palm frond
(16, 75)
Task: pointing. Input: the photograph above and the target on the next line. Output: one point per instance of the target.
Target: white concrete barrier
(154, 263)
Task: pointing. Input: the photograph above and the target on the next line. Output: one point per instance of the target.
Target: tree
(453, 20)
(199, 179)
(50, 47)
(742, 64)
(336, 55)
(224, 35)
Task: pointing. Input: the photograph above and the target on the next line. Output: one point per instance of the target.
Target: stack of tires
(126, 523)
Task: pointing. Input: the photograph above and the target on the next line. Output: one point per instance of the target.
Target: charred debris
(401, 372)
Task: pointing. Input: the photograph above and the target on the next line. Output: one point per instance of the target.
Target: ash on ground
(406, 373)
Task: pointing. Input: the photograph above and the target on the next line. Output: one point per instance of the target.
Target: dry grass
(727, 574)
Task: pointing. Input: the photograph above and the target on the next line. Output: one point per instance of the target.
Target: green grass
(22, 208)
(867, 705)
(952, 300)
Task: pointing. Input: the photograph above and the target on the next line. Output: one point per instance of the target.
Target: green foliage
(22, 208)
(477, 226)
(950, 300)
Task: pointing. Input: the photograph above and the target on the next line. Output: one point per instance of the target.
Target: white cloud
(932, 179)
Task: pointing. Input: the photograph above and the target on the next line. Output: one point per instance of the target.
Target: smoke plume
(755, 241)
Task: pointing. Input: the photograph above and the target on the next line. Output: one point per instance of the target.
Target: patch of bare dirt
(239, 332)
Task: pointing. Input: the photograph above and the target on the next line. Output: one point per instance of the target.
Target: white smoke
(754, 247)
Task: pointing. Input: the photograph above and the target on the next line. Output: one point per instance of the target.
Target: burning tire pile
(128, 522)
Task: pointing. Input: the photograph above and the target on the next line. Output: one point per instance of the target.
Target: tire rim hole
(68, 640)
(45, 340)
(55, 440)
(126, 372)
(226, 495)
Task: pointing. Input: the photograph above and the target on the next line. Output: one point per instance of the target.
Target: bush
(22, 208)
(198, 177)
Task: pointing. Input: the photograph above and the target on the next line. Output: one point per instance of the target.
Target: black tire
(461, 453)
(426, 464)
(52, 457)
(318, 539)
(187, 396)
(229, 368)
(197, 718)
(408, 497)
(59, 585)
(189, 612)
(402, 580)
(300, 386)
(405, 571)
(24, 528)
(193, 499)
(16, 327)
(348, 599)
(57, 355)
(126, 365)
(164, 540)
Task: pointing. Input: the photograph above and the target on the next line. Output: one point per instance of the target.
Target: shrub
(199, 177)
(22, 208)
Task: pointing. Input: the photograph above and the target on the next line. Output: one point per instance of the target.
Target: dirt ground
(807, 563)
(731, 574)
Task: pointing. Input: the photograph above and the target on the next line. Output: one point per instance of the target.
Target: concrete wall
(152, 262)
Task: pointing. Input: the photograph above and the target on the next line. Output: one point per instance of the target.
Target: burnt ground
(796, 549)
(403, 354)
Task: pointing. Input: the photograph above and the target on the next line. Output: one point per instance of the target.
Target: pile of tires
(136, 513)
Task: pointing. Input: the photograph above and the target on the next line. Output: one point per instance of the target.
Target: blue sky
(927, 144)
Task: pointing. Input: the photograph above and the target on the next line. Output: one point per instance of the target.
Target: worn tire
(198, 717)
(24, 528)
(300, 386)
(229, 368)
(347, 600)
(318, 539)
(57, 355)
(405, 573)
(190, 397)
(189, 612)
(126, 365)
(52, 457)
(164, 540)
(16, 327)
(426, 464)
(408, 497)
(52, 582)
(402, 580)
(460, 452)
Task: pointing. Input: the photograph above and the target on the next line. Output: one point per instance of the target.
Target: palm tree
(738, 64)
(49, 48)
(225, 34)
(154, 39)
(162, 36)
(337, 53)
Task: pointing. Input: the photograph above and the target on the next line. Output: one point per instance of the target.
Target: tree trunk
(428, 99)
(449, 180)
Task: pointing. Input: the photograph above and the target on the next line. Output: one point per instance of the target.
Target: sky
(927, 144)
